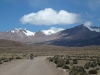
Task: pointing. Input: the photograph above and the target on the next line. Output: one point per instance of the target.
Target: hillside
(9, 43)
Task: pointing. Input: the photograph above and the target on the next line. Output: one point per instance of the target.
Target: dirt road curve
(38, 66)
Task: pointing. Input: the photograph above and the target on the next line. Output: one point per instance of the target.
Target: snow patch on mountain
(25, 31)
(93, 28)
(52, 30)
(16, 30)
(29, 33)
(12, 31)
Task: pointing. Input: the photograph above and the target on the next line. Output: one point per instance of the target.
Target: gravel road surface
(38, 66)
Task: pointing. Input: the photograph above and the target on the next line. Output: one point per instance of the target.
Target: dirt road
(38, 66)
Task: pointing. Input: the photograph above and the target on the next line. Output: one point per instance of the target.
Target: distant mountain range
(80, 35)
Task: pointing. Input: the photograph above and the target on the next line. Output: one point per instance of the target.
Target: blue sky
(38, 15)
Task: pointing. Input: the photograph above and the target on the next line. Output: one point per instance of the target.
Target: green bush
(93, 64)
(10, 59)
(18, 58)
(93, 72)
(35, 56)
(81, 73)
(75, 61)
(56, 56)
(67, 62)
(56, 61)
(98, 60)
(98, 63)
(60, 62)
(3, 58)
(51, 59)
(6, 60)
(65, 67)
(77, 70)
(97, 68)
(0, 62)
(87, 65)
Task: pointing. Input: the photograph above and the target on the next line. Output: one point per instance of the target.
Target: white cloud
(94, 4)
(49, 16)
(56, 29)
(52, 30)
(88, 23)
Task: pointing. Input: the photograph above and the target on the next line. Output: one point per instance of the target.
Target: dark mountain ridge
(77, 36)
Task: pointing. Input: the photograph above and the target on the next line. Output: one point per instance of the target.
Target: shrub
(98, 63)
(87, 65)
(3, 58)
(71, 64)
(56, 56)
(67, 62)
(55, 61)
(75, 61)
(51, 59)
(0, 62)
(60, 62)
(93, 72)
(93, 64)
(10, 59)
(35, 56)
(18, 58)
(81, 73)
(77, 70)
(97, 68)
(6, 60)
(65, 67)
(98, 60)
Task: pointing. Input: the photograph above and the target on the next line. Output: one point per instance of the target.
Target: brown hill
(9, 43)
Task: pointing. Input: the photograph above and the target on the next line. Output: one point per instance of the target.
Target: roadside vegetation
(8, 57)
(77, 64)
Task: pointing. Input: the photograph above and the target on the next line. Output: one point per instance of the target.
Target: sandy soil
(38, 66)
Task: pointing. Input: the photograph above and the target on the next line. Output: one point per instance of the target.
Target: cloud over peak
(88, 23)
(52, 30)
(49, 16)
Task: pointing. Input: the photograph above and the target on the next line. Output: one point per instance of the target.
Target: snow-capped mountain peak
(18, 30)
(29, 33)
(25, 31)
(52, 30)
